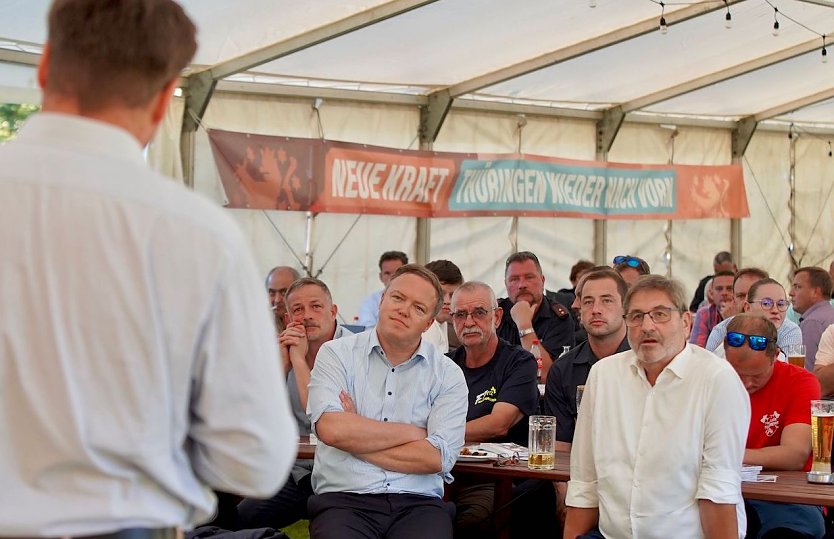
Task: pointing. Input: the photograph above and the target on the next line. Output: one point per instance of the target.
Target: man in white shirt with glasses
(661, 432)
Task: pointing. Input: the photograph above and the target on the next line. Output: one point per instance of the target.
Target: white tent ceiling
(547, 54)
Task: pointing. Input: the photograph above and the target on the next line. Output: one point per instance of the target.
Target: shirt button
(387, 484)
(389, 392)
(392, 370)
(385, 419)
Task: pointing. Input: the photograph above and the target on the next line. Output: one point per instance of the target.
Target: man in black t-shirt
(502, 393)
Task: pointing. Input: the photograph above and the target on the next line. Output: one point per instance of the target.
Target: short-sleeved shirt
(825, 351)
(553, 331)
(706, 318)
(510, 376)
(565, 374)
(787, 335)
(784, 400)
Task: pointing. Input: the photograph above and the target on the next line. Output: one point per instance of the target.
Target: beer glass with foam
(542, 442)
(796, 355)
(822, 429)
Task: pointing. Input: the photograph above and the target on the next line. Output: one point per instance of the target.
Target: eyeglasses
(506, 461)
(768, 303)
(757, 342)
(479, 314)
(659, 315)
(628, 260)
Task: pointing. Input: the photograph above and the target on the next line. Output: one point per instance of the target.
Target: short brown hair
(580, 267)
(757, 272)
(522, 256)
(393, 255)
(447, 272)
(658, 282)
(754, 288)
(308, 281)
(755, 324)
(818, 278)
(105, 53)
(423, 273)
(604, 273)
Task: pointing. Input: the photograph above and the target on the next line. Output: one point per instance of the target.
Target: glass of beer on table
(822, 429)
(796, 355)
(542, 442)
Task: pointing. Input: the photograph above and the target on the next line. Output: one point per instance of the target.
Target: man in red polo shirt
(780, 423)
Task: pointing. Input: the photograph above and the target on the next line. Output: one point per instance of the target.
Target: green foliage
(12, 117)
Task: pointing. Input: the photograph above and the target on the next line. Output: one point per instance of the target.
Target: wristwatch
(523, 332)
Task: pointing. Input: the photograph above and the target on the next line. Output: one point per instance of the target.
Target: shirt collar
(374, 346)
(79, 134)
(680, 365)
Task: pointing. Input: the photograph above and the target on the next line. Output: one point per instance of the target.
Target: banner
(269, 172)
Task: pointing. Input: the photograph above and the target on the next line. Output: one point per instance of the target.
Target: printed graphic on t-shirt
(486, 396)
(771, 423)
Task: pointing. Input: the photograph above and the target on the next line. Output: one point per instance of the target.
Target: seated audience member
(600, 294)
(631, 268)
(779, 437)
(390, 414)
(710, 315)
(529, 315)
(389, 261)
(742, 282)
(823, 369)
(501, 379)
(311, 322)
(441, 332)
(567, 297)
(723, 261)
(660, 436)
(278, 280)
(810, 295)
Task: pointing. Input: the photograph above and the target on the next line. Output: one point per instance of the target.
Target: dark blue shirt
(554, 331)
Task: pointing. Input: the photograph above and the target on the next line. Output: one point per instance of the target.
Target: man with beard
(663, 405)
(390, 413)
(501, 379)
(278, 280)
(310, 322)
(531, 315)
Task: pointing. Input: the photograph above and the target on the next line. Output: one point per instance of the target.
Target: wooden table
(790, 487)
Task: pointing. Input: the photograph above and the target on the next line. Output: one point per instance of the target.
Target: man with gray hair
(129, 386)
(663, 405)
(278, 280)
(501, 379)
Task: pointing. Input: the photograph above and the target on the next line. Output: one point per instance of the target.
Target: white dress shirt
(438, 334)
(138, 359)
(644, 455)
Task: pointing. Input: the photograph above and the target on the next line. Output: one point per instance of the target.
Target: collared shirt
(814, 321)
(565, 374)
(787, 335)
(438, 335)
(369, 309)
(706, 318)
(644, 455)
(428, 391)
(554, 332)
(139, 356)
(825, 351)
(510, 377)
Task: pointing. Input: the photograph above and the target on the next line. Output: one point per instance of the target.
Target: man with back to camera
(663, 405)
(779, 436)
(529, 315)
(390, 413)
(278, 280)
(389, 261)
(139, 357)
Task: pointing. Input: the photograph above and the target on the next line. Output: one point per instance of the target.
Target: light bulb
(728, 21)
(775, 28)
(664, 28)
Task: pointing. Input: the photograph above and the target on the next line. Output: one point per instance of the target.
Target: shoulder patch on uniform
(559, 310)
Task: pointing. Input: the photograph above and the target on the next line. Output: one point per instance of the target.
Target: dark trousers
(289, 505)
(345, 515)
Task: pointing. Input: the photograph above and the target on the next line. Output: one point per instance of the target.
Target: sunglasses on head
(757, 342)
(628, 260)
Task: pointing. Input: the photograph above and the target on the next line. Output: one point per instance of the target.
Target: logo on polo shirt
(486, 396)
(770, 422)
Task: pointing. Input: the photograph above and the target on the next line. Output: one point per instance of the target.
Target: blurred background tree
(12, 117)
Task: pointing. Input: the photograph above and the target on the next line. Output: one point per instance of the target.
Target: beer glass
(796, 355)
(542, 442)
(822, 428)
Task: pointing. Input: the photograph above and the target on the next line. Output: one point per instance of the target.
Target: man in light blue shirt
(390, 414)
